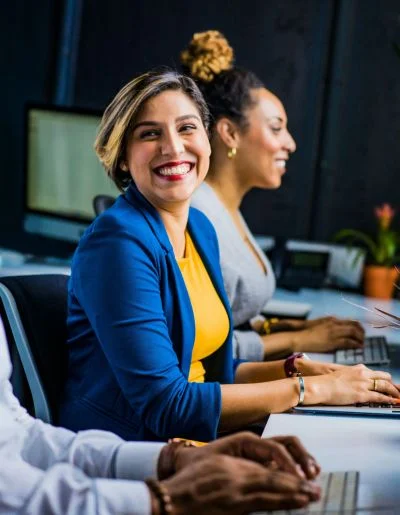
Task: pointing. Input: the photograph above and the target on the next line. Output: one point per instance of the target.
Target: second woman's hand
(328, 334)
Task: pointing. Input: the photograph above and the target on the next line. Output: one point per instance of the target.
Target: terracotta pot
(379, 281)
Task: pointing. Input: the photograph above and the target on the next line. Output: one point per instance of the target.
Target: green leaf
(353, 235)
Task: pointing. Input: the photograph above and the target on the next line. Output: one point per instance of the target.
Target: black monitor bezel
(58, 109)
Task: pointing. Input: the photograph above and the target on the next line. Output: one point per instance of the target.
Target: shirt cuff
(137, 460)
(248, 345)
(122, 497)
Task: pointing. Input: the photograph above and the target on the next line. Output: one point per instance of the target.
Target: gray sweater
(247, 286)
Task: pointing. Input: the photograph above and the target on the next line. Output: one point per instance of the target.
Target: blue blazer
(131, 330)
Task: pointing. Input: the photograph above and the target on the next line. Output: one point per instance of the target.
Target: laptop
(374, 352)
(339, 496)
(361, 410)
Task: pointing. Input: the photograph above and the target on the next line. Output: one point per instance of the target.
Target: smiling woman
(251, 145)
(168, 151)
(149, 327)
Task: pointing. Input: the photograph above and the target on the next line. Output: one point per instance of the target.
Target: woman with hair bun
(250, 145)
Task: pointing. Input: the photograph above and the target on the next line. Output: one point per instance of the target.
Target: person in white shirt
(50, 470)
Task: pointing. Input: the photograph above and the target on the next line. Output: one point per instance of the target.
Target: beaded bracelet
(162, 495)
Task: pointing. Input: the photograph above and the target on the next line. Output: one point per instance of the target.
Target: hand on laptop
(328, 334)
(285, 452)
(350, 385)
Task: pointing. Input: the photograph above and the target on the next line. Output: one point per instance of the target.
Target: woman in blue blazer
(133, 313)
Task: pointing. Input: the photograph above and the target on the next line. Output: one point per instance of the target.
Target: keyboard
(375, 352)
(338, 496)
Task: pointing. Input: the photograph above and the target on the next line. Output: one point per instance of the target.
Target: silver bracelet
(302, 390)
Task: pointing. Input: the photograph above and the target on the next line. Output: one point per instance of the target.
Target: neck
(225, 181)
(175, 223)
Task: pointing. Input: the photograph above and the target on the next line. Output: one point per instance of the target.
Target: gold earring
(232, 153)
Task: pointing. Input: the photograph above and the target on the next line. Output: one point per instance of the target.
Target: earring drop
(232, 153)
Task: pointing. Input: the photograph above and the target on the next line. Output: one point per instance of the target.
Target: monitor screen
(62, 173)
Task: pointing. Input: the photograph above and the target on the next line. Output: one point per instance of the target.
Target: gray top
(247, 286)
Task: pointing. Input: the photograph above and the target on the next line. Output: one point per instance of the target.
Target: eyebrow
(276, 118)
(153, 124)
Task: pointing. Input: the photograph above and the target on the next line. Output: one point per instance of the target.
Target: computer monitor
(62, 171)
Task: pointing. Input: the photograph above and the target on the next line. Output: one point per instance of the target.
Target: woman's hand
(328, 334)
(350, 385)
(308, 367)
(285, 452)
(223, 484)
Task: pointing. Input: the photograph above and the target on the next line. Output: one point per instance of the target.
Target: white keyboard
(375, 352)
(338, 496)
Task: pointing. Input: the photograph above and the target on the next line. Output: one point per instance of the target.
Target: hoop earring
(232, 152)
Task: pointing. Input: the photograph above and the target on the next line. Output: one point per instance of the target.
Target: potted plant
(380, 272)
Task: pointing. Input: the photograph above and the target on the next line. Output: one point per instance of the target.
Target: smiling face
(265, 144)
(168, 151)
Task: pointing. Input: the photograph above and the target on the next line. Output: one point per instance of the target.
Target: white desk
(330, 302)
(369, 445)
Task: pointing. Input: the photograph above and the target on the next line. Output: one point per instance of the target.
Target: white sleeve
(65, 490)
(96, 453)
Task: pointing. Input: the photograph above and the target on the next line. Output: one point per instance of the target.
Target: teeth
(175, 170)
(281, 163)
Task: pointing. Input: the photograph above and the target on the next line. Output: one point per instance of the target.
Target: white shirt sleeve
(57, 471)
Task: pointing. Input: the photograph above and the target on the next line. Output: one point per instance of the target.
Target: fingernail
(300, 471)
(309, 487)
(312, 469)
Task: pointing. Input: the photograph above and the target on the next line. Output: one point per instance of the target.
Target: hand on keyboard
(328, 334)
(351, 385)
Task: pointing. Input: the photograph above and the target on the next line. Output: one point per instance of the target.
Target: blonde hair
(207, 55)
(120, 116)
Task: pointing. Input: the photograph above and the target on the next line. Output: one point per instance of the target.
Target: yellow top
(210, 316)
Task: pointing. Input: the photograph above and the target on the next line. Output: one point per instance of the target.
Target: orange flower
(384, 214)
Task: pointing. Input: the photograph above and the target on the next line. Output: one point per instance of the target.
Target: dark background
(332, 63)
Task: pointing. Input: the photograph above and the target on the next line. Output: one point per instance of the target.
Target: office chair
(34, 311)
(102, 202)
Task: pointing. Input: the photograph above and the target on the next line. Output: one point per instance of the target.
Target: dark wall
(359, 165)
(330, 61)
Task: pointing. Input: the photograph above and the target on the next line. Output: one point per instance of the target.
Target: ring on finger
(375, 386)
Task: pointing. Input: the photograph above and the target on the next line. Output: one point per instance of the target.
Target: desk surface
(330, 303)
(371, 446)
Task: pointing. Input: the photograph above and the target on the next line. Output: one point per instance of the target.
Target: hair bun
(207, 55)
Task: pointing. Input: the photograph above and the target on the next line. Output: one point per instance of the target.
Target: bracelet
(162, 495)
(289, 365)
(166, 462)
(267, 324)
(302, 390)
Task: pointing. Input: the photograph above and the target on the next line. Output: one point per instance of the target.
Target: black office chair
(102, 202)
(34, 311)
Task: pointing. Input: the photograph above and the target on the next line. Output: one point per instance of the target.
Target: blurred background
(332, 62)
